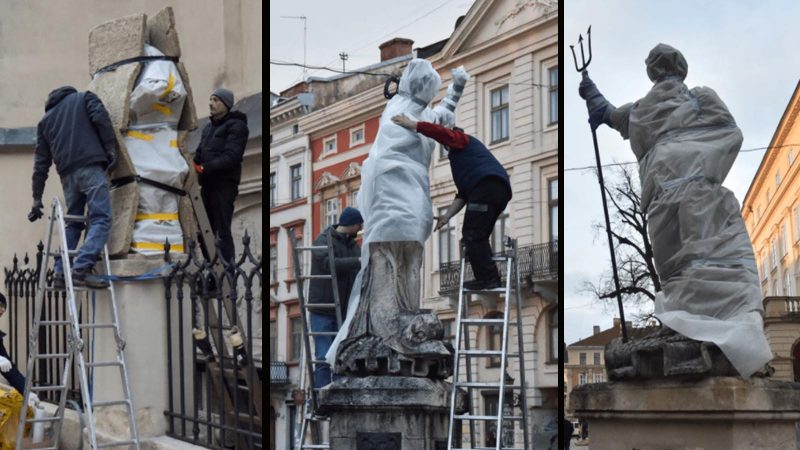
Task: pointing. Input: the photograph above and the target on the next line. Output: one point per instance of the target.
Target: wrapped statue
(384, 331)
(686, 141)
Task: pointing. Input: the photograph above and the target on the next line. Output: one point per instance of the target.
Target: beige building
(771, 211)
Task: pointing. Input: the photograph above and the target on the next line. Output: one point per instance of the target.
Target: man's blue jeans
(322, 372)
(86, 188)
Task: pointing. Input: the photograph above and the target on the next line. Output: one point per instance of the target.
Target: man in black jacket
(347, 258)
(218, 163)
(77, 135)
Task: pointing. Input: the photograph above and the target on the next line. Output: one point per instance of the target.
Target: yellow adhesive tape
(156, 246)
(157, 216)
(140, 135)
(170, 86)
(162, 109)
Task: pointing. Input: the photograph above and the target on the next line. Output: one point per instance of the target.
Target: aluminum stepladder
(463, 321)
(310, 418)
(74, 343)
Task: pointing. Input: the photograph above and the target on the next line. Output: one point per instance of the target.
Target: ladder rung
(316, 446)
(319, 361)
(499, 290)
(320, 306)
(117, 443)
(474, 384)
(69, 252)
(44, 419)
(96, 325)
(315, 277)
(48, 388)
(489, 448)
(485, 321)
(51, 356)
(482, 352)
(313, 247)
(323, 333)
(469, 417)
(74, 218)
(104, 364)
(110, 403)
(75, 288)
(54, 322)
(499, 258)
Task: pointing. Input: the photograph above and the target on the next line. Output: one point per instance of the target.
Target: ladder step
(487, 353)
(104, 364)
(489, 448)
(44, 419)
(468, 417)
(117, 443)
(478, 385)
(313, 247)
(75, 288)
(97, 325)
(322, 333)
(69, 252)
(74, 218)
(316, 446)
(110, 403)
(54, 322)
(315, 277)
(486, 321)
(319, 361)
(495, 291)
(48, 388)
(51, 356)
(320, 306)
(499, 258)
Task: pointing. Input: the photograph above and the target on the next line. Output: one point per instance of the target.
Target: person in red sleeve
(482, 185)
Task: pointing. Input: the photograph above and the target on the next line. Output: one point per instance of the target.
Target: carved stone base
(665, 353)
(388, 413)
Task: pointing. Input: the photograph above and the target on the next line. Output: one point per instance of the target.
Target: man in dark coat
(347, 258)
(9, 369)
(483, 186)
(77, 135)
(218, 163)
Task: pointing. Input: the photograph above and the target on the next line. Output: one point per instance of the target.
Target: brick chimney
(596, 330)
(394, 48)
(294, 90)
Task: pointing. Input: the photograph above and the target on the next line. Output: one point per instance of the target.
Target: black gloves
(36, 210)
(595, 102)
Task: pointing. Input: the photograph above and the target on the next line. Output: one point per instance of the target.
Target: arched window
(552, 336)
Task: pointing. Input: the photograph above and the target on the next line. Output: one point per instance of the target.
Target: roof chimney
(394, 48)
(596, 330)
(294, 90)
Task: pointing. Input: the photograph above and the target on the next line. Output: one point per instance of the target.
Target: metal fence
(215, 393)
(536, 262)
(278, 372)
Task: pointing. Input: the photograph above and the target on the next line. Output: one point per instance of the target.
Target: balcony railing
(536, 262)
(278, 373)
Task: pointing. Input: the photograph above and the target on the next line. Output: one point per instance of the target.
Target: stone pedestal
(388, 413)
(715, 413)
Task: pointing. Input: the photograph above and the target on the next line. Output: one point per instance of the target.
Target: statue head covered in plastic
(666, 61)
(420, 81)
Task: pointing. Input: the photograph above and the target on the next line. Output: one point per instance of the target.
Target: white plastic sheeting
(159, 93)
(686, 141)
(394, 198)
(154, 152)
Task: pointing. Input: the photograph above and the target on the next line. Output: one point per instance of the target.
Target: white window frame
(351, 198)
(325, 150)
(550, 90)
(777, 178)
(597, 378)
(796, 222)
(363, 135)
(328, 202)
(299, 165)
(784, 241)
(502, 106)
(774, 252)
(552, 203)
(791, 156)
(273, 189)
(787, 282)
(582, 378)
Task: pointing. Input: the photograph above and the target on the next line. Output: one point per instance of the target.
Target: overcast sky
(745, 51)
(356, 27)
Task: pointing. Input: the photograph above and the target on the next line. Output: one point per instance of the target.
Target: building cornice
(344, 113)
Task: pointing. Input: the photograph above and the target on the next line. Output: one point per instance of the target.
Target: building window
(329, 145)
(291, 419)
(784, 241)
(273, 191)
(769, 196)
(596, 358)
(774, 254)
(552, 350)
(797, 223)
(791, 156)
(778, 178)
(490, 402)
(273, 341)
(273, 263)
(552, 195)
(553, 95)
(582, 359)
(494, 338)
(447, 240)
(449, 331)
(498, 238)
(353, 199)
(357, 136)
(295, 129)
(297, 179)
(582, 378)
(787, 282)
(598, 378)
(296, 342)
(764, 267)
(499, 114)
(331, 211)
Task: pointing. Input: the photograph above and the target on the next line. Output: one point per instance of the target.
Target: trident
(585, 63)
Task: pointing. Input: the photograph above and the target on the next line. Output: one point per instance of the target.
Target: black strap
(112, 67)
(122, 181)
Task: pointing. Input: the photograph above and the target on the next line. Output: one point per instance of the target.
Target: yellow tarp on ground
(10, 406)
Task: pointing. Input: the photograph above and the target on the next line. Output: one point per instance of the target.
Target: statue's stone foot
(665, 353)
(370, 355)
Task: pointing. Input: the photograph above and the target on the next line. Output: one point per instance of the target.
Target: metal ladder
(74, 343)
(310, 418)
(463, 319)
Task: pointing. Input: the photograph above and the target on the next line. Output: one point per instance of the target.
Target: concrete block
(162, 33)
(114, 90)
(116, 40)
(188, 115)
(124, 204)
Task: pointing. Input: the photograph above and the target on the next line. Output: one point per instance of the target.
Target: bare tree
(637, 274)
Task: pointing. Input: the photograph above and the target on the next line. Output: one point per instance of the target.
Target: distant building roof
(606, 336)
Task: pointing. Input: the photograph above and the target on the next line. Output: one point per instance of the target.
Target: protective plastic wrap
(686, 141)
(154, 152)
(159, 93)
(394, 198)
